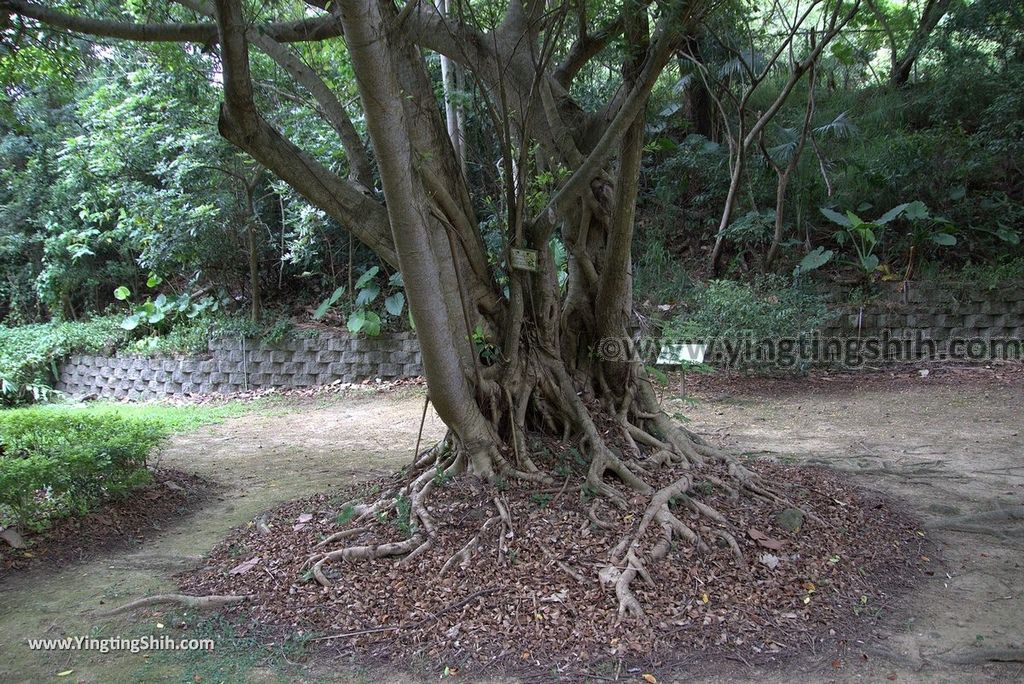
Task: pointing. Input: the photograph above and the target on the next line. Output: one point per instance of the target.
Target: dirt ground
(950, 445)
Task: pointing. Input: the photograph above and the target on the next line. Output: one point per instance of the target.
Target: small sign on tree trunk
(524, 259)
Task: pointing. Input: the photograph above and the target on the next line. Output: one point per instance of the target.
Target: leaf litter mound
(534, 597)
(113, 525)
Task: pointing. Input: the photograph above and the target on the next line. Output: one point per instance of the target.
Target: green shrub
(58, 463)
(768, 308)
(993, 276)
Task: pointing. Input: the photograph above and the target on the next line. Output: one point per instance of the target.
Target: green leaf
(865, 233)
(917, 210)
(835, 217)
(870, 263)
(958, 193)
(395, 303)
(367, 277)
(131, 322)
(122, 293)
(891, 214)
(662, 145)
(328, 303)
(153, 280)
(372, 325)
(814, 259)
(854, 219)
(1008, 235)
(356, 321)
(396, 279)
(367, 294)
(945, 239)
(156, 316)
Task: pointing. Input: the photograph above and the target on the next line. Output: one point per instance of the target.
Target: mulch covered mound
(544, 606)
(111, 526)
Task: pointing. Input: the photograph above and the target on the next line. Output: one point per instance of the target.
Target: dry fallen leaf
(245, 567)
(764, 540)
(651, 679)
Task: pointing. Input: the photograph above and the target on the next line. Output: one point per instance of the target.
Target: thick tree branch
(318, 28)
(241, 123)
(332, 109)
(665, 43)
(584, 50)
(933, 12)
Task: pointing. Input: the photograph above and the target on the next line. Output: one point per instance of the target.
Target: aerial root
(617, 472)
(629, 606)
(506, 532)
(626, 554)
(703, 509)
(733, 545)
(729, 490)
(444, 462)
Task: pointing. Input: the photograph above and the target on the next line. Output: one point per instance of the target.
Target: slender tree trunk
(701, 108)
(785, 172)
(450, 78)
(253, 248)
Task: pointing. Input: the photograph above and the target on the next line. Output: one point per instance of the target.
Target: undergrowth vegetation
(54, 464)
(767, 308)
(61, 460)
(29, 354)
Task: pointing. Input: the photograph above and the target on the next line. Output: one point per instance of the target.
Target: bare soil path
(257, 461)
(952, 447)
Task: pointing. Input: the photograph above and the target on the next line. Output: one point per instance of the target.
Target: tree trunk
(535, 362)
(700, 106)
(784, 172)
(502, 362)
(450, 82)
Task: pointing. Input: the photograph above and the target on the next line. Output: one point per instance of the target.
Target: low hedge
(55, 463)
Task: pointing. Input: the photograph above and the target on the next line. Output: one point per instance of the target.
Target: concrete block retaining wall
(236, 364)
(932, 312)
(912, 322)
(915, 312)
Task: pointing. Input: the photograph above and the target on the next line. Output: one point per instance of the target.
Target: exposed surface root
(196, 602)
(448, 566)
